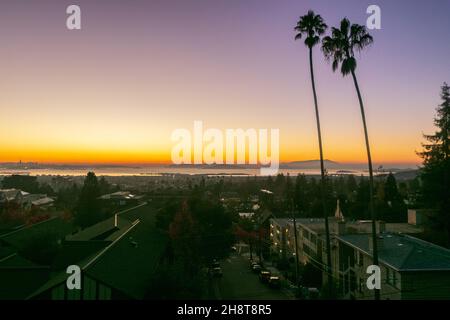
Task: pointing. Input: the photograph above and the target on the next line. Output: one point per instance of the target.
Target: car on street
(217, 272)
(264, 276)
(274, 282)
(313, 293)
(256, 268)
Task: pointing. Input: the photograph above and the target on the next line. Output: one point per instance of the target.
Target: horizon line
(120, 163)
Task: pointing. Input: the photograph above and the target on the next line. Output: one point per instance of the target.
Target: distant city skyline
(114, 91)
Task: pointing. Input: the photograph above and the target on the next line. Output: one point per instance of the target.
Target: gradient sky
(115, 90)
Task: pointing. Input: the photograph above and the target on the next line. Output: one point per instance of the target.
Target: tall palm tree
(311, 27)
(340, 47)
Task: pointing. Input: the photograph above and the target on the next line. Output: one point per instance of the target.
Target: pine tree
(437, 150)
(390, 189)
(435, 191)
(88, 206)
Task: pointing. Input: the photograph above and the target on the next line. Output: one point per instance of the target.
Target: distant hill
(310, 164)
(407, 174)
(307, 164)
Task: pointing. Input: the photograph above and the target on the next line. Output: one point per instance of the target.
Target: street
(239, 282)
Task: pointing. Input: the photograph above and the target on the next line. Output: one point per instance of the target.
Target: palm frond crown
(340, 47)
(310, 26)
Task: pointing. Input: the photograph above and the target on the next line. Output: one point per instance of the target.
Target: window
(73, 294)
(90, 289)
(104, 293)
(390, 276)
(352, 281)
(58, 292)
(305, 234)
(360, 258)
(396, 280)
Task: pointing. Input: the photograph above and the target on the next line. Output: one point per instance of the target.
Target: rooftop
(42, 201)
(402, 252)
(129, 264)
(20, 238)
(11, 194)
(317, 225)
(119, 195)
(125, 260)
(104, 230)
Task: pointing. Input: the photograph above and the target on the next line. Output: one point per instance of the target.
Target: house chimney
(338, 213)
(381, 227)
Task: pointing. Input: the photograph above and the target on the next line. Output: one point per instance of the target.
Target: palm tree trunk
(369, 160)
(322, 179)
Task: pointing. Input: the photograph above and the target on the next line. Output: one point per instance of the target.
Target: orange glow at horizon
(162, 156)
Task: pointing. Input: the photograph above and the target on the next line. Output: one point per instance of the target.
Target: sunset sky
(114, 91)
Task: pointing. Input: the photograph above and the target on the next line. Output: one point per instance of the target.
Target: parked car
(296, 291)
(305, 293)
(256, 268)
(274, 282)
(217, 272)
(313, 293)
(264, 276)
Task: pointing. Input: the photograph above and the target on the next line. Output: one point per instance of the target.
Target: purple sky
(139, 69)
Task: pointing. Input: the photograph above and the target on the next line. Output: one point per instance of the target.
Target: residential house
(19, 274)
(118, 258)
(121, 198)
(25, 199)
(410, 268)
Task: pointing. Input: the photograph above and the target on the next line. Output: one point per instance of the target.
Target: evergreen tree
(435, 190)
(352, 185)
(67, 198)
(437, 148)
(269, 183)
(22, 182)
(88, 206)
(289, 191)
(104, 186)
(390, 189)
(301, 200)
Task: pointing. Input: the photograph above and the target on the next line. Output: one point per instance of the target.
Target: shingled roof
(21, 238)
(126, 260)
(129, 263)
(403, 253)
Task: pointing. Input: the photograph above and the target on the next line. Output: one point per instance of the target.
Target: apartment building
(410, 268)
